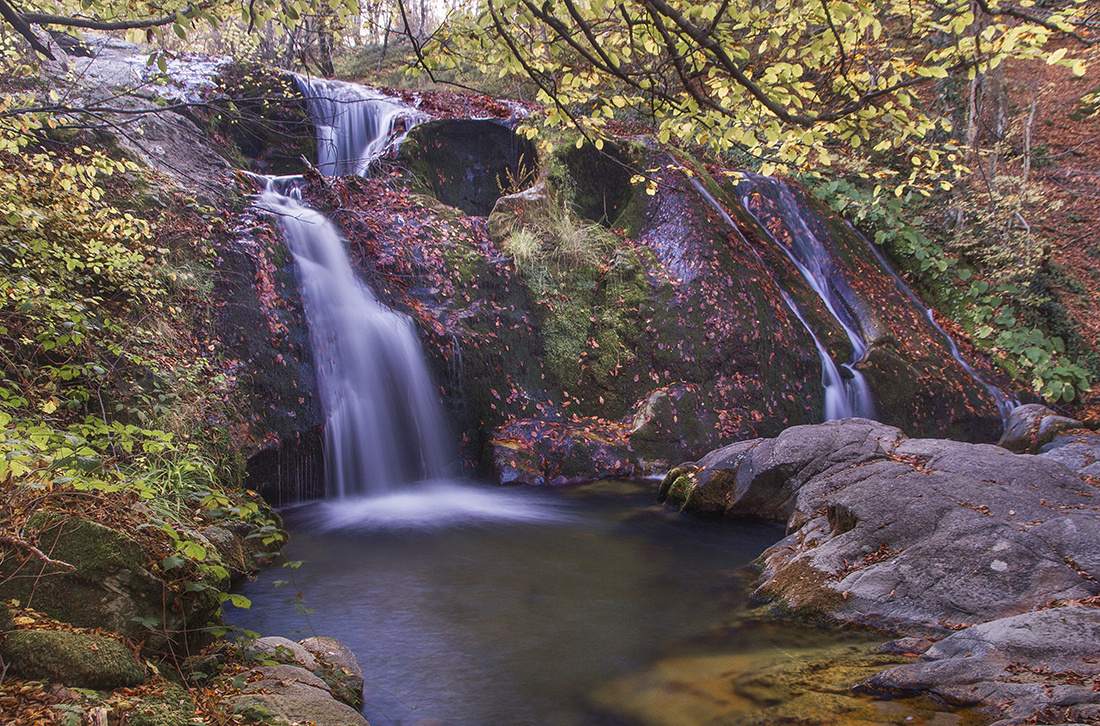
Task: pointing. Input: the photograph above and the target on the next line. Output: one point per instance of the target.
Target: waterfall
(354, 123)
(384, 424)
(845, 396)
(814, 263)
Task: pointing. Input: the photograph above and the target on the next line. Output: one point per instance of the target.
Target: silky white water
(384, 425)
(354, 123)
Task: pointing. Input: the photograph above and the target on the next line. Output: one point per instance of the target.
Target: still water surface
(472, 606)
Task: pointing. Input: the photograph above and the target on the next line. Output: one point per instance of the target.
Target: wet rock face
(680, 337)
(265, 341)
(470, 164)
(917, 535)
(917, 383)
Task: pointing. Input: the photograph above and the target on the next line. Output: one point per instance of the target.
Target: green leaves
(987, 309)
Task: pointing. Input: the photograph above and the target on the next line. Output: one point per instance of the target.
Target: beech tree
(796, 82)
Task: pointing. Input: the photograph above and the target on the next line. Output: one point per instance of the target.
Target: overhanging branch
(93, 24)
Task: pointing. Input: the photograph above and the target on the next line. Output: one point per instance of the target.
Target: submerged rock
(770, 674)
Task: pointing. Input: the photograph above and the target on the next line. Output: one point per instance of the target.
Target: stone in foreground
(908, 535)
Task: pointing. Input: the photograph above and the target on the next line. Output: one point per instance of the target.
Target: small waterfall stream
(815, 264)
(845, 396)
(384, 424)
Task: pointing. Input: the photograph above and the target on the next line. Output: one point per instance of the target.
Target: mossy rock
(75, 659)
(110, 587)
(175, 706)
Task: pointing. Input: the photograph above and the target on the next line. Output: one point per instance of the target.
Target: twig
(21, 544)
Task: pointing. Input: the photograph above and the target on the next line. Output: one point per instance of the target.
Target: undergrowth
(994, 276)
(104, 387)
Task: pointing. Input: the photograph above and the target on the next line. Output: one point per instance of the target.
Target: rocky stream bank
(984, 561)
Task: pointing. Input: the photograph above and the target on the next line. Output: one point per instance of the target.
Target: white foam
(437, 504)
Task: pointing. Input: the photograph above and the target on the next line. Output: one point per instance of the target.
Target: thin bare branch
(38, 554)
(93, 24)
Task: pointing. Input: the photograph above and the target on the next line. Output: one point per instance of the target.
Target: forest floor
(1062, 205)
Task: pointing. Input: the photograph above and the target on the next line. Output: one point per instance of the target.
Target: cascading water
(384, 424)
(814, 263)
(354, 123)
(845, 397)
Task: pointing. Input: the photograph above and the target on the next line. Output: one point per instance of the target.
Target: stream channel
(469, 606)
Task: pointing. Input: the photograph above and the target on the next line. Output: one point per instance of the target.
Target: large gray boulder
(927, 537)
(1080, 452)
(911, 535)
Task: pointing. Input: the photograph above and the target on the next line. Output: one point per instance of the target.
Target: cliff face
(636, 331)
(674, 331)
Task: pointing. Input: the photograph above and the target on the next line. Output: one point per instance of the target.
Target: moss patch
(172, 708)
(74, 659)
